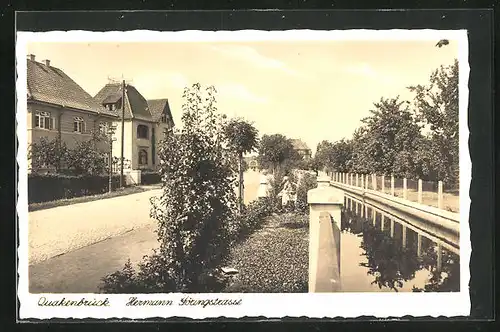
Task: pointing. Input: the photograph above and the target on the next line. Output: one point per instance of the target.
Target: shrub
(150, 177)
(306, 183)
(195, 210)
(252, 218)
(51, 187)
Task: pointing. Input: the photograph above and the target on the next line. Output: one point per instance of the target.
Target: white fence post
(440, 195)
(392, 185)
(325, 204)
(362, 181)
(383, 183)
(420, 191)
(357, 180)
(405, 189)
(374, 181)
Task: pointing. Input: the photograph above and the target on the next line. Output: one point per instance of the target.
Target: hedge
(51, 187)
(150, 177)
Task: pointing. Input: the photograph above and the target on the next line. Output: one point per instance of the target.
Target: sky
(312, 90)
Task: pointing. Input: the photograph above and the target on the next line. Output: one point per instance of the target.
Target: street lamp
(111, 132)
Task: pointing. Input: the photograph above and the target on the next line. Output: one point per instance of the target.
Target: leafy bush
(51, 187)
(274, 260)
(252, 218)
(196, 208)
(306, 183)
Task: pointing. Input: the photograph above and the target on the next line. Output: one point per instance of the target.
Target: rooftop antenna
(118, 80)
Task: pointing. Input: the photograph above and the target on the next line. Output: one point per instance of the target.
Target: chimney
(31, 57)
(47, 62)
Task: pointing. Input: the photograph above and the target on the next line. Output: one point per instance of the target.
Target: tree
(198, 200)
(437, 108)
(243, 138)
(274, 151)
(323, 157)
(388, 137)
(86, 158)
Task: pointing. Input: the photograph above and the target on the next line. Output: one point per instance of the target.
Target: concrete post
(325, 204)
(404, 236)
(419, 245)
(383, 183)
(405, 189)
(392, 185)
(420, 191)
(440, 195)
(439, 257)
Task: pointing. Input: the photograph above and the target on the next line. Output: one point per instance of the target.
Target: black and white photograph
(202, 170)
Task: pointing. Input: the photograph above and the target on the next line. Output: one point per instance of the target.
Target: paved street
(73, 247)
(63, 229)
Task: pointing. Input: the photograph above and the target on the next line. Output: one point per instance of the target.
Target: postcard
(206, 174)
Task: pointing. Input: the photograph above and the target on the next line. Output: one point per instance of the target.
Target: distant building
(146, 122)
(301, 148)
(252, 162)
(57, 107)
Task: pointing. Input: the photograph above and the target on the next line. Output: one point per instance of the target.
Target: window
(143, 157)
(142, 131)
(164, 118)
(78, 125)
(111, 107)
(43, 120)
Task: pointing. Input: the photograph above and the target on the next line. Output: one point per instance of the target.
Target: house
(301, 148)
(57, 107)
(252, 162)
(145, 123)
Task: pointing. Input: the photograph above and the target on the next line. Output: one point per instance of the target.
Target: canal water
(382, 254)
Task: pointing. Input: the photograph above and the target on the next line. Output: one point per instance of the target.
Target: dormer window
(111, 107)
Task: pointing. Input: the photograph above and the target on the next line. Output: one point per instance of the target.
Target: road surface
(72, 247)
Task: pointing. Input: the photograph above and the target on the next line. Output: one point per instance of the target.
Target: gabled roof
(299, 145)
(51, 85)
(157, 107)
(136, 106)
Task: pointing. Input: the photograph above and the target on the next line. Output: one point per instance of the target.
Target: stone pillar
(325, 204)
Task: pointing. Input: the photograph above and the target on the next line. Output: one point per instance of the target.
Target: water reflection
(393, 256)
